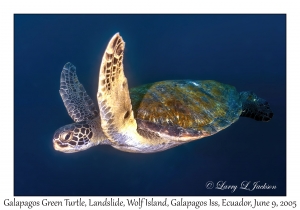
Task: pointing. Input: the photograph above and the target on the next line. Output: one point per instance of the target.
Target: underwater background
(246, 51)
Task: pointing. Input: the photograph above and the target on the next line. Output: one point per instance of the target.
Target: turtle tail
(255, 107)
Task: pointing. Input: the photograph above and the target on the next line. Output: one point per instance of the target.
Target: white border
(8, 8)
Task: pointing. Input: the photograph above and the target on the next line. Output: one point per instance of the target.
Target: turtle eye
(66, 136)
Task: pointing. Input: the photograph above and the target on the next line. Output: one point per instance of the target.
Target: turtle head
(73, 138)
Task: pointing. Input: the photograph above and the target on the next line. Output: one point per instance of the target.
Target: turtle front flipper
(77, 102)
(113, 95)
(255, 107)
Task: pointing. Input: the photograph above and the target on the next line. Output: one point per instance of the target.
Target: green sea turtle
(150, 118)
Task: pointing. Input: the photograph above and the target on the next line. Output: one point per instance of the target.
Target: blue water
(247, 51)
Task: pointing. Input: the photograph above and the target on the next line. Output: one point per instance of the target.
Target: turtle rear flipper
(255, 107)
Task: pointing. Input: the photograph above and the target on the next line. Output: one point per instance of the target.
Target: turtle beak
(58, 145)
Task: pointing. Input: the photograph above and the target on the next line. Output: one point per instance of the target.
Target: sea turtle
(150, 118)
